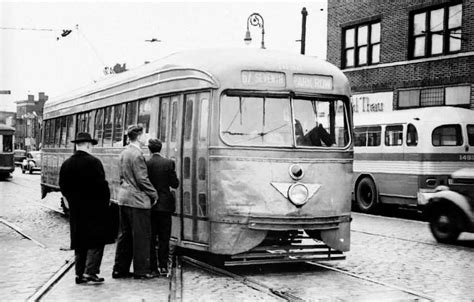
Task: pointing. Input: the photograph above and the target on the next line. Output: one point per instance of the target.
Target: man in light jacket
(136, 197)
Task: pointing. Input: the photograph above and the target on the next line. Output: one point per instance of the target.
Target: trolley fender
(446, 198)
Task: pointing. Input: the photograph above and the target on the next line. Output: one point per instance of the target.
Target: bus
(7, 164)
(261, 141)
(399, 154)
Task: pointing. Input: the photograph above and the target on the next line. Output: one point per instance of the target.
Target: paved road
(396, 252)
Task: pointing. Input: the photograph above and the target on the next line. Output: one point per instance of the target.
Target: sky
(110, 32)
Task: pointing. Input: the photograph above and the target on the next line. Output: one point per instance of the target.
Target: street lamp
(254, 19)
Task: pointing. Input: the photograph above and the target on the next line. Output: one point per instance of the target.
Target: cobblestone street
(401, 255)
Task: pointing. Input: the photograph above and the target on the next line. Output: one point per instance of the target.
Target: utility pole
(304, 13)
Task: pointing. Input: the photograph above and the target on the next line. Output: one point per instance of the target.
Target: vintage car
(18, 156)
(450, 209)
(32, 162)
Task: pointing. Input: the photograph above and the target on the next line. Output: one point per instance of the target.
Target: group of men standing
(145, 205)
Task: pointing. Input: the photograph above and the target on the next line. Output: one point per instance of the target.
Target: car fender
(446, 198)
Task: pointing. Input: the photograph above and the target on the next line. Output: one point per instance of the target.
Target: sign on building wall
(372, 102)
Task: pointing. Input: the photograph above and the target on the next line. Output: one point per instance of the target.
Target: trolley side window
(144, 113)
(57, 136)
(394, 135)
(99, 126)
(470, 134)
(108, 126)
(70, 129)
(6, 142)
(132, 114)
(447, 135)
(119, 112)
(63, 131)
(47, 126)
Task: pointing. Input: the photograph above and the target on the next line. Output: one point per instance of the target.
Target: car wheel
(366, 195)
(444, 225)
(22, 170)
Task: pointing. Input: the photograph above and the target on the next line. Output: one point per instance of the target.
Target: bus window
(163, 119)
(70, 129)
(374, 136)
(144, 112)
(131, 115)
(63, 131)
(447, 135)
(204, 117)
(99, 126)
(394, 135)
(412, 135)
(119, 111)
(470, 134)
(256, 121)
(108, 126)
(174, 119)
(360, 136)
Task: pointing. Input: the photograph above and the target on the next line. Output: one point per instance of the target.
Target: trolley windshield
(284, 122)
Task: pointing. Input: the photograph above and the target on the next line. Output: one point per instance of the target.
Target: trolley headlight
(298, 194)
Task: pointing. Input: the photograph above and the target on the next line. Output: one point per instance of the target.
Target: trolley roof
(206, 68)
(420, 115)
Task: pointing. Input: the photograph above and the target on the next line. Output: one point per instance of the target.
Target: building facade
(29, 118)
(7, 118)
(404, 54)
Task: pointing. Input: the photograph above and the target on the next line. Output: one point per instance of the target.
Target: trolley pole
(304, 13)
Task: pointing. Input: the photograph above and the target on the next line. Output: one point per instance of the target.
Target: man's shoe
(94, 278)
(164, 271)
(118, 275)
(145, 276)
(81, 279)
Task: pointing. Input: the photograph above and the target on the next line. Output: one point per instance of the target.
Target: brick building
(29, 116)
(404, 54)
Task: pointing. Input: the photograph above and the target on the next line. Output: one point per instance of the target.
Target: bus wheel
(443, 225)
(366, 195)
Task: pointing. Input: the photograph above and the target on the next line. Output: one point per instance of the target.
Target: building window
(437, 96)
(436, 31)
(361, 45)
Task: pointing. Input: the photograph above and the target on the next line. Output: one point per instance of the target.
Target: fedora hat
(84, 137)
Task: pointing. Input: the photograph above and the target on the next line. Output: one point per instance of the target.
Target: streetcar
(7, 163)
(399, 154)
(261, 141)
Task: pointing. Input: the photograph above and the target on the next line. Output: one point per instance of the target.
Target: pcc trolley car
(261, 141)
(7, 164)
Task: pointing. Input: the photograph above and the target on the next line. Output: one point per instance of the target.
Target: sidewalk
(112, 289)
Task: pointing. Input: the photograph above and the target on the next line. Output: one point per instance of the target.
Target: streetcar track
(250, 282)
(48, 285)
(264, 288)
(20, 231)
(409, 291)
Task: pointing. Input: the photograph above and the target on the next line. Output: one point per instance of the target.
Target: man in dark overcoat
(162, 174)
(83, 184)
(135, 198)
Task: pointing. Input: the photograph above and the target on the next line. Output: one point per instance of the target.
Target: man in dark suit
(135, 198)
(82, 183)
(163, 176)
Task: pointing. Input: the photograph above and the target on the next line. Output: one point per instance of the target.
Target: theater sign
(372, 102)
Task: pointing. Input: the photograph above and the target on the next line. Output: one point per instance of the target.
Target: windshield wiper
(269, 131)
(234, 133)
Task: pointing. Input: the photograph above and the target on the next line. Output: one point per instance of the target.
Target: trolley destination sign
(263, 78)
(308, 81)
